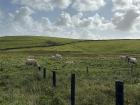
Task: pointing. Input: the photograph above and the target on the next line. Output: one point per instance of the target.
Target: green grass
(24, 85)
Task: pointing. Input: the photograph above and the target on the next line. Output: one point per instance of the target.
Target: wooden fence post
(1, 68)
(73, 89)
(54, 78)
(44, 73)
(119, 92)
(87, 69)
(39, 68)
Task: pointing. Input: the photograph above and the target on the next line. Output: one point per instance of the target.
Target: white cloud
(45, 21)
(78, 21)
(79, 5)
(136, 3)
(124, 5)
(22, 19)
(125, 21)
(44, 4)
(20, 22)
(79, 27)
(88, 5)
(126, 14)
(136, 26)
(61, 3)
(36, 4)
(64, 19)
(92, 22)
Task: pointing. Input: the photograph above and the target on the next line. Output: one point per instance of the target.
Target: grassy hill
(21, 84)
(46, 44)
(19, 42)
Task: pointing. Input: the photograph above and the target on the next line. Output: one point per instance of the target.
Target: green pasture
(24, 85)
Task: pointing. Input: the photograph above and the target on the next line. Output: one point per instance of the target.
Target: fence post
(44, 73)
(39, 68)
(87, 69)
(1, 67)
(119, 92)
(54, 78)
(73, 89)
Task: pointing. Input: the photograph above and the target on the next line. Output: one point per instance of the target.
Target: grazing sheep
(31, 57)
(123, 57)
(69, 62)
(130, 60)
(33, 62)
(57, 56)
(53, 56)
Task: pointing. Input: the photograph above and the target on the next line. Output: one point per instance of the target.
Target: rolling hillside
(19, 42)
(46, 44)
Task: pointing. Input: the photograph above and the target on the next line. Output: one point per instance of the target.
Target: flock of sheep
(32, 61)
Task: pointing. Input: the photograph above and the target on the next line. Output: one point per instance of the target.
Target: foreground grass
(24, 85)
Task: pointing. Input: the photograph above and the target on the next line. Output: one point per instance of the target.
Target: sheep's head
(127, 58)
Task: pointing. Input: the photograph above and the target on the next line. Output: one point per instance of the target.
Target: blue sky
(84, 19)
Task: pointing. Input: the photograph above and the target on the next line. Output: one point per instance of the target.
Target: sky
(79, 19)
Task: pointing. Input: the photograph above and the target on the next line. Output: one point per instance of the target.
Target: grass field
(24, 85)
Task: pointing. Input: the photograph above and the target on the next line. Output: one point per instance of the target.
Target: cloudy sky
(85, 19)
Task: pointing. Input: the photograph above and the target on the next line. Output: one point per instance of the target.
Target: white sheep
(130, 60)
(33, 62)
(69, 62)
(53, 56)
(123, 57)
(57, 56)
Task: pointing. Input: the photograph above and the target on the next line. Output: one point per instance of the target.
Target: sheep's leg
(131, 68)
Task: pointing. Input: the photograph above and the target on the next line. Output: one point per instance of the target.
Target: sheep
(123, 57)
(69, 62)
(52, 56)
(33, 62)
(130, 60)
(57, 56)
(31, 57)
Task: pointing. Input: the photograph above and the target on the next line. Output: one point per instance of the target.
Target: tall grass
(24, 85)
